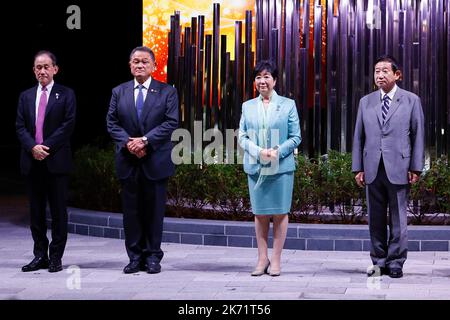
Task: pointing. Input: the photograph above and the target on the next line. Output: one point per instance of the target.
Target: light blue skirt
(274, 195)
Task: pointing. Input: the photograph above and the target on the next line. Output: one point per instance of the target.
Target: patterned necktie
(139, 101)
(40, 116)
(385, 107)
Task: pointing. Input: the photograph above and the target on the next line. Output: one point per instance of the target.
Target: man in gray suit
(388, 156)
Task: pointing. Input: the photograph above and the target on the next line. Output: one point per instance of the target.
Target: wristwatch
(144, 140)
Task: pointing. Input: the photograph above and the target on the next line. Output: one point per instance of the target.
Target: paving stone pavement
(93, 270)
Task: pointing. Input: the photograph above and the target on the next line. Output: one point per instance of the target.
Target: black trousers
(143, 205)
(44, 186)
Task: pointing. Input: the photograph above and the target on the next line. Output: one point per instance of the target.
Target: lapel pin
(153, 90)
(57, 96)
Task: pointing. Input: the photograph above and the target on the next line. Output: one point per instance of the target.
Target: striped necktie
(385, 106)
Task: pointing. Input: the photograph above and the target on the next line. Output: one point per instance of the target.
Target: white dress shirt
(146, 85)
(39, 92)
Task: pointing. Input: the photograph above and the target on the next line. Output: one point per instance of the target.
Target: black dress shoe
(153, 267)
(36, 264)
(133, 267)
(55, 265)
(395, 273)
(376, 271)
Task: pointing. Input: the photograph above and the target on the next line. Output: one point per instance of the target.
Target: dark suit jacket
(158, 120)
(59, 124)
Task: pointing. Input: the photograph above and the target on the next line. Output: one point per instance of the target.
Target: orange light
(156, 24)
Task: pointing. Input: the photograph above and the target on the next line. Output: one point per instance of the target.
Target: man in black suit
(44, 124)
(142, 115)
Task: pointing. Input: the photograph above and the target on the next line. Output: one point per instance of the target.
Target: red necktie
(41, 116)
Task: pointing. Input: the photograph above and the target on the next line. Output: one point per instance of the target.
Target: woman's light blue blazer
(284, 131)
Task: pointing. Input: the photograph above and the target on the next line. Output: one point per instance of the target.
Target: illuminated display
(156, 24)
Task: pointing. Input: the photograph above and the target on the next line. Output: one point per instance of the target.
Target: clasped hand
(267, 155)
(137, 147)
(39, 152)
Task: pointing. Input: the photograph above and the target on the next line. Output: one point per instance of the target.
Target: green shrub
(341, 190)
(431, 194)
(209, 191)
(186, 191)
(221, 192)
(93, 183)
(308, 190)
(227, 190)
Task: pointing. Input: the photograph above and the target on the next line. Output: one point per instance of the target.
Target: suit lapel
(32, 106)
(54, 95)
(130, 104)
(257, 113)
(394, 104)
(152, 94)
(275, 110)
(375, 102)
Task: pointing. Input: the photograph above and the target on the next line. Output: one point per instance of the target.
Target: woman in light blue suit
(269, 131)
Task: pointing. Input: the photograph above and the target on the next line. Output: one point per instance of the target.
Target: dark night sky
(92, 60)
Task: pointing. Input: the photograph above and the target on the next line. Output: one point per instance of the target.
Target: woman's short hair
(267, 65)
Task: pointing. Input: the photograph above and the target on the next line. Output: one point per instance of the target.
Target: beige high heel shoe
(274, 272)
(260, 271)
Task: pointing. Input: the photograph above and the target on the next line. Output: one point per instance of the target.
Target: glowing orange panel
(157, 23)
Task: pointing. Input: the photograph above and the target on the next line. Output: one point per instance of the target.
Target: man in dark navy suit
(142, 115)
(44, 124)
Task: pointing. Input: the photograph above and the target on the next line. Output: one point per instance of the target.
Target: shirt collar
(146, 84)
(272, 98)
(49, 86)
(390, 93)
